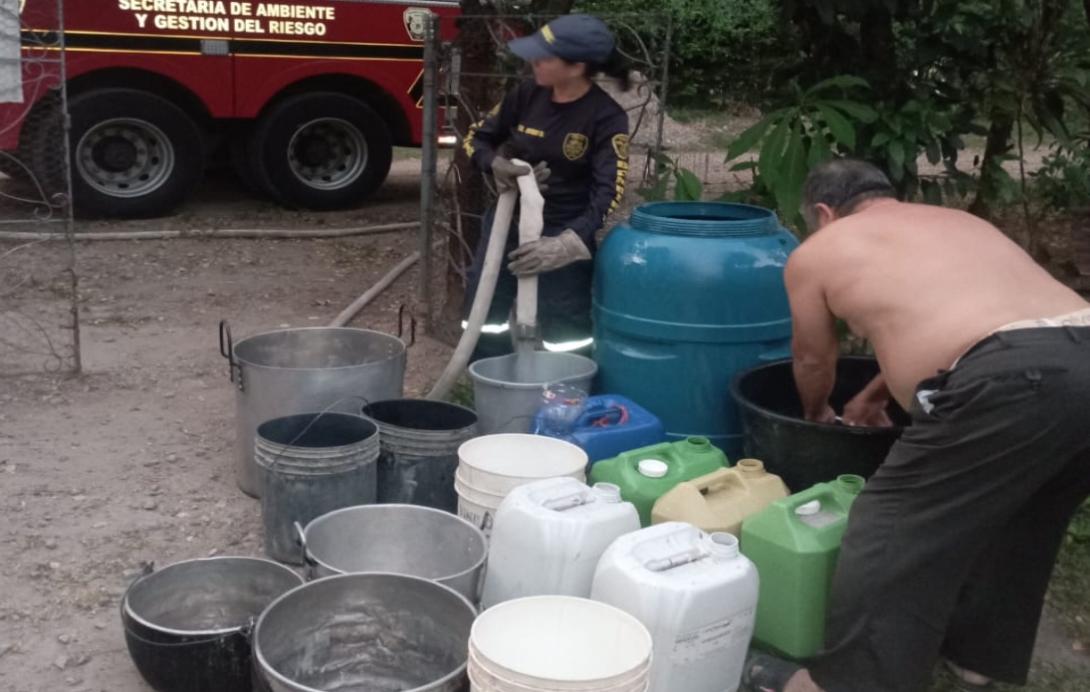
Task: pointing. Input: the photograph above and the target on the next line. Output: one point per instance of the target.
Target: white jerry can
(548, 536)
(695, 592)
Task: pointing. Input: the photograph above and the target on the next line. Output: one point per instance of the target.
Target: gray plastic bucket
(420, 441)
(312, 464)
(507, 390)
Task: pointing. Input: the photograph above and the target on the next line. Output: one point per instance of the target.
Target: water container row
(698, 593)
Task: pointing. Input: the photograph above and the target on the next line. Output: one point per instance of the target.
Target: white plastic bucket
(491, 466)
(482, 679)
(559, 643)
(476, 506)
(498, 464)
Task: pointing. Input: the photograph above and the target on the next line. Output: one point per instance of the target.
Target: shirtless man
(950, 547)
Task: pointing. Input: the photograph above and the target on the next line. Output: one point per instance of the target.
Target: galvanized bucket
(399, 539)
(312, 464)
(290, 371)
(420, 441)
(365, 632)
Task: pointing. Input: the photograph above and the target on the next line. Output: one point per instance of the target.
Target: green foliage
(1063, 182)
(721, 52)
(824, 119)
(687, 186)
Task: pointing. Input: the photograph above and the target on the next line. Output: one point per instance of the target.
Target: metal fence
(39, 309)
(458, 94)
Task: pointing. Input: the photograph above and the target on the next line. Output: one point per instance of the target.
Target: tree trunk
(991, 175)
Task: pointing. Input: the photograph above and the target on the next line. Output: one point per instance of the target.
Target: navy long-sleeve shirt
(584, 143)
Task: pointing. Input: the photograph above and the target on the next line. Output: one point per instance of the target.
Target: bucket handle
(401, 325)
(310, 565)
(227, 350)
(311, 424)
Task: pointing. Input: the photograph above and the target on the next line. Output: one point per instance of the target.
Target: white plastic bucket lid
(561, 638)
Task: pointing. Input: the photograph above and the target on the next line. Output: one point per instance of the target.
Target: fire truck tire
(323, 150)
(134, 154)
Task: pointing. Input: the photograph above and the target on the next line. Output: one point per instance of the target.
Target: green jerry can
(795, 543)
(646, 474)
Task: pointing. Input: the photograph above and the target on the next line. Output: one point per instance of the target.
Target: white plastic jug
(695, 593)
(548, 536)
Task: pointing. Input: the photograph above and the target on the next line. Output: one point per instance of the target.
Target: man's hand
(548, 254)
(864, 411)
(868, 407)
(827, 415)
(506, 174)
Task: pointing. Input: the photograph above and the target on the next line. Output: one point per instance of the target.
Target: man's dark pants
(950, 547)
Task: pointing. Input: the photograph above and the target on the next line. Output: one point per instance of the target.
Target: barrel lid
(653, 468)
(809, 509)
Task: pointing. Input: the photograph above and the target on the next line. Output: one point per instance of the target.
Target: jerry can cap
(607, 492)
(653, 468)
(809, 509)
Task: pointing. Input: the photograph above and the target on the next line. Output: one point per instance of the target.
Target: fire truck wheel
(134, 154)
(324, 150)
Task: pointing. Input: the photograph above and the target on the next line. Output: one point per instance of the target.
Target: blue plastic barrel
(687, 294)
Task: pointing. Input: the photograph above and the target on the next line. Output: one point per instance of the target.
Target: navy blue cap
(573, 37)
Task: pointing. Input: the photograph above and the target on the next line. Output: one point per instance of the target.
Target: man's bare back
(922, 284)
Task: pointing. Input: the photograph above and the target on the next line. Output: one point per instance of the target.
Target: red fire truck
(309, 96)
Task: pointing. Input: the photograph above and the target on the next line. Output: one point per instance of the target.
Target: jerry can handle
(602, 414)
(720, 478)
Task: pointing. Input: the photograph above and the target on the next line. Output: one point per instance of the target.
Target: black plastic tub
(187, 626)
(803, 453)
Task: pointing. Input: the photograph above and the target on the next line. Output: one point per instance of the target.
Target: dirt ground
(132, 462)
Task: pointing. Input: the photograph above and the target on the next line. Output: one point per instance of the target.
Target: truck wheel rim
(327, 154)
(125, 157)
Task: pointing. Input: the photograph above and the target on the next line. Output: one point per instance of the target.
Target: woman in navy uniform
(576, 137)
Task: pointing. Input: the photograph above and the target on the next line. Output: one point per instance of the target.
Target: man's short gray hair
(843, 184)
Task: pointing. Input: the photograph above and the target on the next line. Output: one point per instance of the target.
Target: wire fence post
(664, 86)
(429, 165)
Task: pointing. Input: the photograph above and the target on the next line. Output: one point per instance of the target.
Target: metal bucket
(420, 441)
(508, 390)
(398, 539)
(291, 371)
(374, 632)
(312, 464)
(187, 626)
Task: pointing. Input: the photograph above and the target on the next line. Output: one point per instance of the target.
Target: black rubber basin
(804, 453)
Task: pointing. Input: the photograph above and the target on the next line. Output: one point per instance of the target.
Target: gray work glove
(548, 254)
(506, 174)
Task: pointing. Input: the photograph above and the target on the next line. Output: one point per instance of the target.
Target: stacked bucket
(556, 644)
(492, 466)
